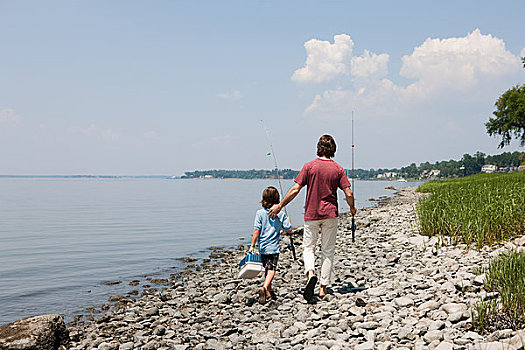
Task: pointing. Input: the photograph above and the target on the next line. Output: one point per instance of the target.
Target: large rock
(46, 332)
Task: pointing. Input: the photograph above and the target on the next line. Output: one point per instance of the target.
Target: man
(322, 177)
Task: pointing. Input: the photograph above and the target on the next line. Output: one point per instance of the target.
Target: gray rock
(517, 341)
(453, 308)
(436, 325)
(302, 315)
(39, 332)
(403, 302)
(151, 311)
(455, 317)
(107, 346)
(291, 332)
(448, 287)
(428, 305)
(300, 326)
(356, 310)
(369, 345)
(404, 332)
(221, 298)
(434, 335)
(159, 330)
(266, 337)
(368, 325)
(495, 345)
(126, 346)
(315, 347)
(445, 346)
(478, 280)
(376, 292)
(312, 333)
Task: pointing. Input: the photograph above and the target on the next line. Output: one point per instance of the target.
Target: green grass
(505, 276)
(482, 209)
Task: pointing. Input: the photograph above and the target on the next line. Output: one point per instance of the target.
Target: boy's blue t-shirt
(269, 236)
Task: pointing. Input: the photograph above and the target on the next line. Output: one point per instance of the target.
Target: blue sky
(134, 87)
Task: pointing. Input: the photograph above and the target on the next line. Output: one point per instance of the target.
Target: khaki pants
(328, 228)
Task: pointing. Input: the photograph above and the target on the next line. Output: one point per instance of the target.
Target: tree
(473, 164)
(509, 118)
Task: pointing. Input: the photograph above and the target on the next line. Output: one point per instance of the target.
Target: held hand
(250, 251)
(353, 210)
(274, 210)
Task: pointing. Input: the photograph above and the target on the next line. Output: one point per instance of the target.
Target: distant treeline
(241, 174)
(467, 165)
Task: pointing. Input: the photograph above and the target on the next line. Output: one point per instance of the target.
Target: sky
(164, 87)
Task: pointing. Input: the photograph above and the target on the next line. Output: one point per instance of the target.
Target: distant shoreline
(91, 176)
(167, 177)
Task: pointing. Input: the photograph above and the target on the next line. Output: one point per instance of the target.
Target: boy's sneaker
(262, 295)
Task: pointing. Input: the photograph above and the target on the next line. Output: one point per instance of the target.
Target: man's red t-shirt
(322, 177)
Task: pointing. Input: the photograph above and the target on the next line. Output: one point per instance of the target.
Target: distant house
(430, 174)
(208, 176)
(521, 168)
(508, 169)
(489, 168)
(387, 175)
(434, 173)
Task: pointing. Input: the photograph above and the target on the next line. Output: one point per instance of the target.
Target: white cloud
(376, 97)
(456, 63)
(472, 65)
(324, 61)
(370, 64)
(8, 116)
(235, 95)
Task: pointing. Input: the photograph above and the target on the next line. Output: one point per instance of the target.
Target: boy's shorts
(270, 261)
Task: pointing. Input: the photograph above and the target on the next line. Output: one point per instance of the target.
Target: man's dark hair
(326, 146)
(270, 197)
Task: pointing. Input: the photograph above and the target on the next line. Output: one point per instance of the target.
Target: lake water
(61, 237)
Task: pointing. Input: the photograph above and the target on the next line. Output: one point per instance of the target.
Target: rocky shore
(418, 295)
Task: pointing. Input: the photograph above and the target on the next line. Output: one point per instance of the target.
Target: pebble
(403, 302)
(417, 295)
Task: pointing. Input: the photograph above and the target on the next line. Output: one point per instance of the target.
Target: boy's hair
(326, 146)
(270, 197)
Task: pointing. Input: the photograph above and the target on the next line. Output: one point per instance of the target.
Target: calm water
(60, 238)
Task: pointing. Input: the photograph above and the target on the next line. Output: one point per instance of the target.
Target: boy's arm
(286, 218)
(255, 235)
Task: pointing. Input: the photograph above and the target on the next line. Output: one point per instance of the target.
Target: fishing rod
(353, 227)
(267, 132)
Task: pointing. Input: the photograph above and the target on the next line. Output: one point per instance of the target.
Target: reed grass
(483, 209)
(480, 209)
(505, 276)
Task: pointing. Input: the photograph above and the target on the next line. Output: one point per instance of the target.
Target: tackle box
(250, 266)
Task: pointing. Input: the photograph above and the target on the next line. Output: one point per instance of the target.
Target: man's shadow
(344, 289)
(350, 288)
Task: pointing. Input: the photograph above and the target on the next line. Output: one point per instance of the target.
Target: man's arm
(292, 193)
(349, 196)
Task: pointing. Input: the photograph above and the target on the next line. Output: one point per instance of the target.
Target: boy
(266, 233)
